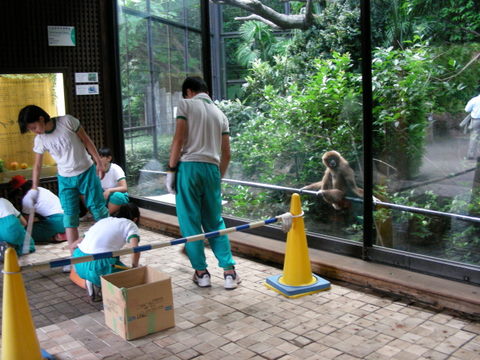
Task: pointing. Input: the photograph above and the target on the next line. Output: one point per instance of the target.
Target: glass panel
(301, 101)
(173, 10)
(423, 77)
(151, 76)
(134, 4)
(193, 13)
(17, 91)
(194, 54)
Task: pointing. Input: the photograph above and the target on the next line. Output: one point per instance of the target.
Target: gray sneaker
(231, 281)
(202, 280)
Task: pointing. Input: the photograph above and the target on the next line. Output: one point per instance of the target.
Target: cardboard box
(138, 302)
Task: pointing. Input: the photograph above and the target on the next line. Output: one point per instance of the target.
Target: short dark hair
(105, 152)
(30, 114)
(128, 211)
(194, 83)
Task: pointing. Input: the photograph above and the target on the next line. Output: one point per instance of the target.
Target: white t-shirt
(473, 107)
(7, 208)
(65, 146)
(206, 125)
(108, 234)
(114, 174)
(47, 203)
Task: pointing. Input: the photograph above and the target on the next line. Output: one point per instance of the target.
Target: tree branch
(269, 16)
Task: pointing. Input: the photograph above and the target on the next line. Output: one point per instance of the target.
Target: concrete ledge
(429, 290)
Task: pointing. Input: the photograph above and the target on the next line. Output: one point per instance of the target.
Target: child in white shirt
(70, 146)
(114, 183)
(109, 234)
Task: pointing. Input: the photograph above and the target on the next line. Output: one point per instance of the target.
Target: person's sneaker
(3, 248)
(231, 281)
(202, 280)
(93, 291)
(67, 268)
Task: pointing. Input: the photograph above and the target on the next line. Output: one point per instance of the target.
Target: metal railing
(314, 193)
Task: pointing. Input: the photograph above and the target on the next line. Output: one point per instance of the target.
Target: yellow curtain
(15, 93)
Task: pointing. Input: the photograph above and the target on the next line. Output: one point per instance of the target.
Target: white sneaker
(202, 280)
(93, 291)
(231, 281)
(67, 268)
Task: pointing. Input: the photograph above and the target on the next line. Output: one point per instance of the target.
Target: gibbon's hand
(170, 182)
(30, 199)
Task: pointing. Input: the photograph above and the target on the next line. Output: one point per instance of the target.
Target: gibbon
(338, 180)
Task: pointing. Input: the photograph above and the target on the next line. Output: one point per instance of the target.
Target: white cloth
(108, 234)
(47, 203)
(473, 107)
(65, 146)
(206, 125)
(114, 174)
(7, 208)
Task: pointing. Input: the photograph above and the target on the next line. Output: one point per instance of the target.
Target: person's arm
(22, 220)
(92, 150)
(37, 168)
(225, 157)
(121, 187)
(135, 256)
(177, 142)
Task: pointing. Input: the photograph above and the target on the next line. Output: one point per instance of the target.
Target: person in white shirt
(48, 226)
(114, 183)
(199, 157)
(12, 229)
(473, 107)
(78, 164)
(109, 234)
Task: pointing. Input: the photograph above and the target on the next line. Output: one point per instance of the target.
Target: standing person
(72, 149)
(12, 229)
(109, 234)
(473, 107)
(114, 183)
(199, 157)
(49, 225)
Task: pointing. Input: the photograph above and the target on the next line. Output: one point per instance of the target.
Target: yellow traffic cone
(297, 279)
(19, 340)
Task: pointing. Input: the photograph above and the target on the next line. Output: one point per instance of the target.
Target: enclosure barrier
(354, 199)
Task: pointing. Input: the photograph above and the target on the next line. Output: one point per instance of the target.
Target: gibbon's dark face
(332, 162)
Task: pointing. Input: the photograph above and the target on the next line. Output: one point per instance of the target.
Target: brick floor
(251, 322)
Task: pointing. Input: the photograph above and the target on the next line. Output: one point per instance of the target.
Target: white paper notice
(61, 35)
(87, 77)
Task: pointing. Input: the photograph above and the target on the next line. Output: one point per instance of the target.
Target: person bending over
(109, 234)
(72, 149)
(48, 226)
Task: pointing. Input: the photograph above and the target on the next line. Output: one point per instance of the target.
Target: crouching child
(108, 234)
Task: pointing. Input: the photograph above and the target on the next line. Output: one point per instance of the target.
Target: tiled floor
(251, 322)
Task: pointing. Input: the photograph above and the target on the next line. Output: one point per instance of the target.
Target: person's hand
(100, 170)
(170, 182)
(30, 199)
(106, 194)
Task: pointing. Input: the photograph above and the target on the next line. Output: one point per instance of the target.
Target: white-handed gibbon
(338, 180)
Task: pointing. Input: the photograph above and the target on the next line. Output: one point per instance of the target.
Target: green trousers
(199, 209)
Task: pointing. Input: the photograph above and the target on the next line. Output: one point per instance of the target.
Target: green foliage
(258, 42)
(402, 98)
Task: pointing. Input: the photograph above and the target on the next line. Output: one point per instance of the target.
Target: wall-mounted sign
(91, 89)
(87, 77)
(61, 35)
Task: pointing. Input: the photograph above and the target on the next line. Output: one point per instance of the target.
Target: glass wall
(293, 96)
(425, 70)
(159, 45)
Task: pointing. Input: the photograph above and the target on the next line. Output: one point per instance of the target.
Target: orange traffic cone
(19, 340)
(297, 279)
